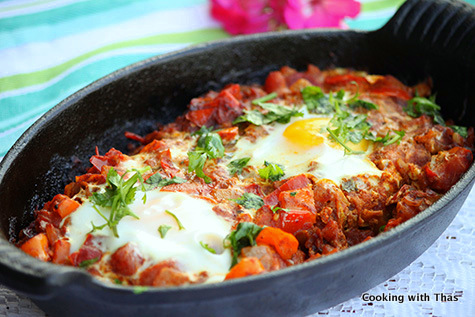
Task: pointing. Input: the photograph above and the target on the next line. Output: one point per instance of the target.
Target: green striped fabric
(51, 48)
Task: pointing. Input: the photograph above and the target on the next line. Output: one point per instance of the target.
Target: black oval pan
(433, 38)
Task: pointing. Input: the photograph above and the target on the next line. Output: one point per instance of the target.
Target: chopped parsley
(293, 194)
(163, 229)
(209, 145)
(250, 201)
(118, 194)
(271, 171)
(207, 247)
(180, 225)
(244, 236)
(236, 166)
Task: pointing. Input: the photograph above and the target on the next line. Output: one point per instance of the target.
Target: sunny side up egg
(201, 227)
(303, 146)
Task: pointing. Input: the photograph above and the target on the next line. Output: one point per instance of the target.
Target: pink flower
(299, 14)
(253, 16)
(243, 16)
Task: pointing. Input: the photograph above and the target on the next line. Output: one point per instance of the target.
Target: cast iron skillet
(425, 38)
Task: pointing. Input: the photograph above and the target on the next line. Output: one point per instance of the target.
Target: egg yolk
(307, 132)
(312, 132)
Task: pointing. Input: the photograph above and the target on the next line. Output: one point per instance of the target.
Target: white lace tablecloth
(447, 268)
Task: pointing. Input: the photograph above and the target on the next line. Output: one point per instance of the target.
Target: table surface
(51, 48)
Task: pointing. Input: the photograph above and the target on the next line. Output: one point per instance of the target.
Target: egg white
(201, 224)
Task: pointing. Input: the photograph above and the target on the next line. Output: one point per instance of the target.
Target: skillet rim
(57, 276)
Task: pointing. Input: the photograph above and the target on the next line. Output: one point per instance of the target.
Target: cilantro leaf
(118, 194)
(316, 101)
(388, 138)
(180, 225)
(207, 247)
(250, 201)
(157, 180)
(163, 229)
(196, 162)
(244, 236)
(362, 103)
(236, 166)
(463, 131)
(275, 113)
(418, 106)
(271, 171)
(209, 145)
(276, 208)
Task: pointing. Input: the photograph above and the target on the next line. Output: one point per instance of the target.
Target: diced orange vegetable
(61, 252)
(66, 206)
(247, 267)
(229, 133)
(37, 247)
(284, 243)
(52, 233)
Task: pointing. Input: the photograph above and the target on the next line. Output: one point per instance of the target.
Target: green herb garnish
(463, 131)
(271, 171)
(244, 236)
(163, 229)
(250, 201)
(157, 180)
(209, 145)
(277, 208)
(87, 263)
(388, 139)
(236, 166)
(207, 247)
(418, 106)
(275, 112)
(139, 289)
(180, 226)
(119, 193)
(316, 101)
(265, 98)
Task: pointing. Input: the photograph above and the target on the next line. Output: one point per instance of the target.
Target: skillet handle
(443, 26)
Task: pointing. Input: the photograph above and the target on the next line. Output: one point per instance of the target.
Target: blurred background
(51, 48)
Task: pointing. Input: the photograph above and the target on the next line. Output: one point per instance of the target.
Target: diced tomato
(275, 82)
(246, 267)
(126, 260)
(284, 243)
(167, 164)
(64, 205)
(298, 199)
(91, 178)
(90, 250)
(390, 86)
(229, 133)
(154, 146)
(347, 80)
(61, 251)
(201, 117)
(296, 182)
(111, 158)
(293, 220)
(37, 247)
